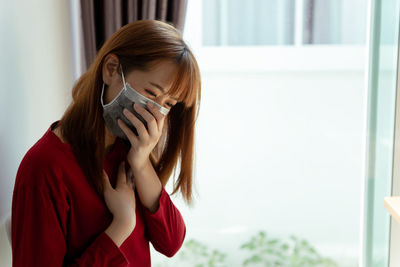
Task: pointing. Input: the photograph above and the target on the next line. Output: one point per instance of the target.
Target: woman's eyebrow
(158, 86)
(161, 89)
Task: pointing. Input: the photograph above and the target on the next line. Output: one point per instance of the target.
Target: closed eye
(150, 92)
(153, 94)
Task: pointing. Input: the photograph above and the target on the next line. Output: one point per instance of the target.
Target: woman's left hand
(144, 143)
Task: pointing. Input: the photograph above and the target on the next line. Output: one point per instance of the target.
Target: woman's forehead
(161, 75)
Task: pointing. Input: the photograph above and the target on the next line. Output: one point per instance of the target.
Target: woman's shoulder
(44, 162)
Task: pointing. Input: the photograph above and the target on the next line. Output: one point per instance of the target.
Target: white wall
(35, 84)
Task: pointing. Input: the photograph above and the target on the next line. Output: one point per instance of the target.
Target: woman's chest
(89, 216)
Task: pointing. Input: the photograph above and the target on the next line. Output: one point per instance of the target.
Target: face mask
(125, 99)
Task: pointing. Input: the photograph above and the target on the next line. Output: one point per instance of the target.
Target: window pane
(334, 22)
(273, 22)
(252, 22)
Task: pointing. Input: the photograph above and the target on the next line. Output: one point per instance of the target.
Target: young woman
(91, 191)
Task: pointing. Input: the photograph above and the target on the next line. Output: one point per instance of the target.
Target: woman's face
(154, 83)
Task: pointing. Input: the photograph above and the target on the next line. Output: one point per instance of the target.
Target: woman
(91, 191)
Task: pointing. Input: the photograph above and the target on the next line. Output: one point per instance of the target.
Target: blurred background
(296, 123)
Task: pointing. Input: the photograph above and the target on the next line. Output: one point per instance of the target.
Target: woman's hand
(144, 143)
(121, 201)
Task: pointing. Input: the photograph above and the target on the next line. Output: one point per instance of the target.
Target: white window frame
(394, 242)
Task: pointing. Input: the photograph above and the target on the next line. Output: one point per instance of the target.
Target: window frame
(394, 228)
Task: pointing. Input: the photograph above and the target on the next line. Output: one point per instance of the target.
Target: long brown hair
(138, 45)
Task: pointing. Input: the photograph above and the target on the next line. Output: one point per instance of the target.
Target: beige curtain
(101, 18)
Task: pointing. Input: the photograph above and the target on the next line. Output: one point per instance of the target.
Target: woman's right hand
(121, 201)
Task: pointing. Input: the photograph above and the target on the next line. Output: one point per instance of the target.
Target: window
(279, 139)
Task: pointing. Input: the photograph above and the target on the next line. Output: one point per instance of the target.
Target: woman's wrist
(127, 223)
(138, 168)
(119, 231)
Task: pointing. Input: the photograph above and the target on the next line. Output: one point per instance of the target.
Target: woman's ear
(110, 69)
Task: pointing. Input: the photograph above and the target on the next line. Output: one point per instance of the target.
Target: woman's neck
(57, 132)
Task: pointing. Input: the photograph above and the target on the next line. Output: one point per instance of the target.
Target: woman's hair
(138, 45)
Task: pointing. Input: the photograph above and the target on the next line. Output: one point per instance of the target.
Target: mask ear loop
(123, 78)
(101, 97)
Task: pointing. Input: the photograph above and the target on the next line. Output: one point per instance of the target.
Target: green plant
(275, 252)
(263, 250)
(199, 255)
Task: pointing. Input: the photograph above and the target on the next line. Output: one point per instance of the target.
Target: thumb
(106, 181)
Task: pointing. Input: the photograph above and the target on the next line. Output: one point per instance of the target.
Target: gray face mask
(125, 99)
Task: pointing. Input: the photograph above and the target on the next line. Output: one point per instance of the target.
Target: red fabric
(58, 219)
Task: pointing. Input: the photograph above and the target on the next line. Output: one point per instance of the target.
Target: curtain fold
(101, 18)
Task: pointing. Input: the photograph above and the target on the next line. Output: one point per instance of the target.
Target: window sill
(392, 204)
(282, 58)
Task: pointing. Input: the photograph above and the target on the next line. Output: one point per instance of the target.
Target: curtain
(309, 22)
(101, 18)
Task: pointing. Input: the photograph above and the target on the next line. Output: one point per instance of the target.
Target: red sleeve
(165, 227)
(39, 228)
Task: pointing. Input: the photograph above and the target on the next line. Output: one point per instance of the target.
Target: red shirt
(58, 219)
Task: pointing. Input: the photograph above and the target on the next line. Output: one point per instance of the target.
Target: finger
(156, 114)
(121, 180)
(141, 129)
(128, 132)
(152, 124)
(106, 181)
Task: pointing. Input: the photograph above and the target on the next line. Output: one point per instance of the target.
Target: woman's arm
(148, 185)
(164, 224)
